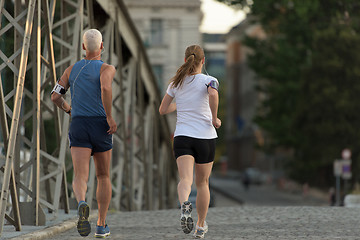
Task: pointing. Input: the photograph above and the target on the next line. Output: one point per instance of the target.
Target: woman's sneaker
(102, 232)
(200, 231)
(187, 224)
(83, 225)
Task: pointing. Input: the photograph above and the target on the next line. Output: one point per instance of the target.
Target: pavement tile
(248, 222)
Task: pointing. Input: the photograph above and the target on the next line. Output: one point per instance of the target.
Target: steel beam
(16, 113)
(141, 172)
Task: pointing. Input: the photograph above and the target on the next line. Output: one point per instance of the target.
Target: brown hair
(193, 56)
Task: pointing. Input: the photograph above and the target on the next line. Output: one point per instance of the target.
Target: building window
(156, 32)
(158, 72)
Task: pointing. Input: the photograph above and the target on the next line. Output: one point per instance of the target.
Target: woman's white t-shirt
(194, 117)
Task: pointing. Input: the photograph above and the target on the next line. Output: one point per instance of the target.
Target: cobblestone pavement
(249, 222)
(67, 221)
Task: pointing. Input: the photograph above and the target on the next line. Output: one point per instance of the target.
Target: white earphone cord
(72, 97)
(205, 70)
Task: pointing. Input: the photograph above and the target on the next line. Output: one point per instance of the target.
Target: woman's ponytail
(193, 56)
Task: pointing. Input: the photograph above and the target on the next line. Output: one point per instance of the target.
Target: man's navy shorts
(203, 150)
(90, 132)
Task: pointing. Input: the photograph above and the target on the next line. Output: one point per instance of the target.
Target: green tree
(308, 68)
(327, 115)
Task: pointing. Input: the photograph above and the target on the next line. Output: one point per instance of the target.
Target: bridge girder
(42, 38)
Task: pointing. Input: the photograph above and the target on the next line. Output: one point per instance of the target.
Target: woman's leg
(185, 165)
(202, 174)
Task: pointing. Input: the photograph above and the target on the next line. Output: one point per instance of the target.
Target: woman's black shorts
(203, 150)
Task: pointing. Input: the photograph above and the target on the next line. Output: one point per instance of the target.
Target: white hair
(92, 39)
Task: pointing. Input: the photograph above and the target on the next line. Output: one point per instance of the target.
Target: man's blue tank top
(85, 89)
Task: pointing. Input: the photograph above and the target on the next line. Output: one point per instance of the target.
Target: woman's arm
(166, 106)
(214, 102)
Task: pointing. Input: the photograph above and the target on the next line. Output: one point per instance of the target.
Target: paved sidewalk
(249, 222)
(66, 222)
(53, 226)
(244, 222)
(258, 218)
(261, 195)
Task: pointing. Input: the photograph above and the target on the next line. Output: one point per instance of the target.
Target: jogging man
(91, 128)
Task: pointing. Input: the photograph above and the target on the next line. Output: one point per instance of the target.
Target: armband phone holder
(58, 89)
(214, 84)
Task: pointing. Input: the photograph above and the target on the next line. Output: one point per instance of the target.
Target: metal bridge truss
(38, 40)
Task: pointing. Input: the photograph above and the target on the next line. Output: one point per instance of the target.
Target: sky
(218, 17)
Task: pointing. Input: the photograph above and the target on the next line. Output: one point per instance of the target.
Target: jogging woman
(197, 101)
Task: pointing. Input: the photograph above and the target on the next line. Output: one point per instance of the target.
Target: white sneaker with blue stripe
(200, 231)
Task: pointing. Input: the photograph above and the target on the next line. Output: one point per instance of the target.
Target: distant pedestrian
(332, 197)
(246, 180)
(197, 101)
(91, 127)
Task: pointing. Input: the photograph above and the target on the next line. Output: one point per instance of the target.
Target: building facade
(166, 27)
(242, 100)
(215, 55)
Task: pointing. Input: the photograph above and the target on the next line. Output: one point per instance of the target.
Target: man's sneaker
(187, 224)
(102, 232)
(200, 231)
(83, 225)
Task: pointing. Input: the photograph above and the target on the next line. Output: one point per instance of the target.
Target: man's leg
(103, 192)
(80, 158)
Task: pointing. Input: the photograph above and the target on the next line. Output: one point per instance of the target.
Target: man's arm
(106, 77)
(58, 98)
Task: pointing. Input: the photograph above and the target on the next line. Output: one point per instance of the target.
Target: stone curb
(227, 193)
(53, 230)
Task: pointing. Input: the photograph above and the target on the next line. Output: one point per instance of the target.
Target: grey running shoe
(187, 224)
(83, 225)
(200, 231)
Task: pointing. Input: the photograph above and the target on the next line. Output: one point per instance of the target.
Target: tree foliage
(309, 69)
